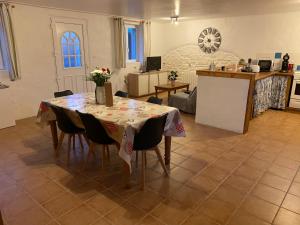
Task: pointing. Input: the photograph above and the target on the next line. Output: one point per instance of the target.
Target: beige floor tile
(61, 204)
(32, 216)
(17, 205)
(295, 189)
(292, 203)
(282, 172)
(266, 156)
(243, 218)
(203, 184)
(195, 165)
(189, 197)
(240, 183)
(199, 220)
(275, 181)
(260, 208)
(79, 216)
(229, 194)
(104, 202)
(150, 220)
(102, 221)
(286, 217)
(288, 163)
(126, 215)
(216, 209)
(146, 200)
(171, 212)
(215, 173)
(164, 186)
(248, 172)
(46, 192)
(269, 194)
(181, 175)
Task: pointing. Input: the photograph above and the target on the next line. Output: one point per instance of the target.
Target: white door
(71, 54)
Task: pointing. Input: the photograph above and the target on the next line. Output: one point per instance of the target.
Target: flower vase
(173, 83)
(100, 95)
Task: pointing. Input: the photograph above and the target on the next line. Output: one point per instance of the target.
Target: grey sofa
(185, 102)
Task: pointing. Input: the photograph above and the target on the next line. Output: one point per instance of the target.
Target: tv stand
(143, 84)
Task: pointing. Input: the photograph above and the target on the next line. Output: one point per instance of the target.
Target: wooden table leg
(54, 133)
(156, 94)
(168, 140)
(169, 95)
(188, 87)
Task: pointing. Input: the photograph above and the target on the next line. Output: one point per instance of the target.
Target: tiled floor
(217, 177)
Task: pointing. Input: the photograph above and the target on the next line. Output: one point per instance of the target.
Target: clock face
(209, 40)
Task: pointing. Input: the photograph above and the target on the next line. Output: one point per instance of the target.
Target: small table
(170, 87)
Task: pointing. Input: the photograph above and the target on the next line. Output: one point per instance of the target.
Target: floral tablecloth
(121, 121)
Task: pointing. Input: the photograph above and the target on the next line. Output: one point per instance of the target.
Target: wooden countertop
(242, 75)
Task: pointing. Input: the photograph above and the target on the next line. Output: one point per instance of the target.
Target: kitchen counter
(242, 75)
(231, 103)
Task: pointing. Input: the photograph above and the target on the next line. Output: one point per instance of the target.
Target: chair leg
(107, 152)
(160, 158)
(143, 178)
(145, 158)
(73, 136)
(61, 138)
(90, 152)
(80, 141)
(103, 156)
(136, 159)
(69, 148)
(86, 138)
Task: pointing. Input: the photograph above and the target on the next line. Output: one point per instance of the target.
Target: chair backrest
(64, 123)
(154, 100)
(121, 94)
(150, 134)
(94, 129)
(62, 93)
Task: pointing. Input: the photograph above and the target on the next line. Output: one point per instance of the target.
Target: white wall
(37, 63)
(248, 36)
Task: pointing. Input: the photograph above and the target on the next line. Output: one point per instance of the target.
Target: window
(71, 52)
(131, 42)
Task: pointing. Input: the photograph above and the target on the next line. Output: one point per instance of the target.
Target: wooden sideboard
(143, 84)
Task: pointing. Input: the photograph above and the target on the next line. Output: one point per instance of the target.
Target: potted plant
(100, 76)
(172, 77)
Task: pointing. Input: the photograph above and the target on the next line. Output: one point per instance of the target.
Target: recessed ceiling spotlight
(174, 19)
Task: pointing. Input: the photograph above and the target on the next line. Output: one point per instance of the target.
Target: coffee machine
(285, 63)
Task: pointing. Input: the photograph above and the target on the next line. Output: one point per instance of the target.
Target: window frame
(71, 55)
(127, 26)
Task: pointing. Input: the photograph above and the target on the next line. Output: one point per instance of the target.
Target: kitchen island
(229, 100)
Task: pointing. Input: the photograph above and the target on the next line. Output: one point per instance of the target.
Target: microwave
(265, 65)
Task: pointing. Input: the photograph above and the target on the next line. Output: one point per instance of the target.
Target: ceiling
(163, 9)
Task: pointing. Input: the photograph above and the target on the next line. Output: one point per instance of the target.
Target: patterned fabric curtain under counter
(269, 93)
(7, 40)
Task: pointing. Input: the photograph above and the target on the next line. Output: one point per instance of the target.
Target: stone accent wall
(189, 58)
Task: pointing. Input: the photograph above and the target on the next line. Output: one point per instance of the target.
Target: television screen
(153, 63)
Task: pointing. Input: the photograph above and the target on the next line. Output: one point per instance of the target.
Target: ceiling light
(174, 19)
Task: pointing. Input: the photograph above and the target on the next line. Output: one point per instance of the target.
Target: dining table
(121, 121)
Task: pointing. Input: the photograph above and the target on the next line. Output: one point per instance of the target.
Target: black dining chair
(66, 126)
(96, 134)
(62, 93)
(155, 100)
(147, 139)
(121, 94)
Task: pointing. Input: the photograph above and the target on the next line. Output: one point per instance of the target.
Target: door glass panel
(72, 61)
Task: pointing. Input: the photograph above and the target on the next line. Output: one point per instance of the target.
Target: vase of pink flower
(100, 76)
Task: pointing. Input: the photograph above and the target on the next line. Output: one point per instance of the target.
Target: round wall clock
(209, 40)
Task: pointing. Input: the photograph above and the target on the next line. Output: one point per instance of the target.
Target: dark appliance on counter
(153, 63)
(265, 65)
(285, 63)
